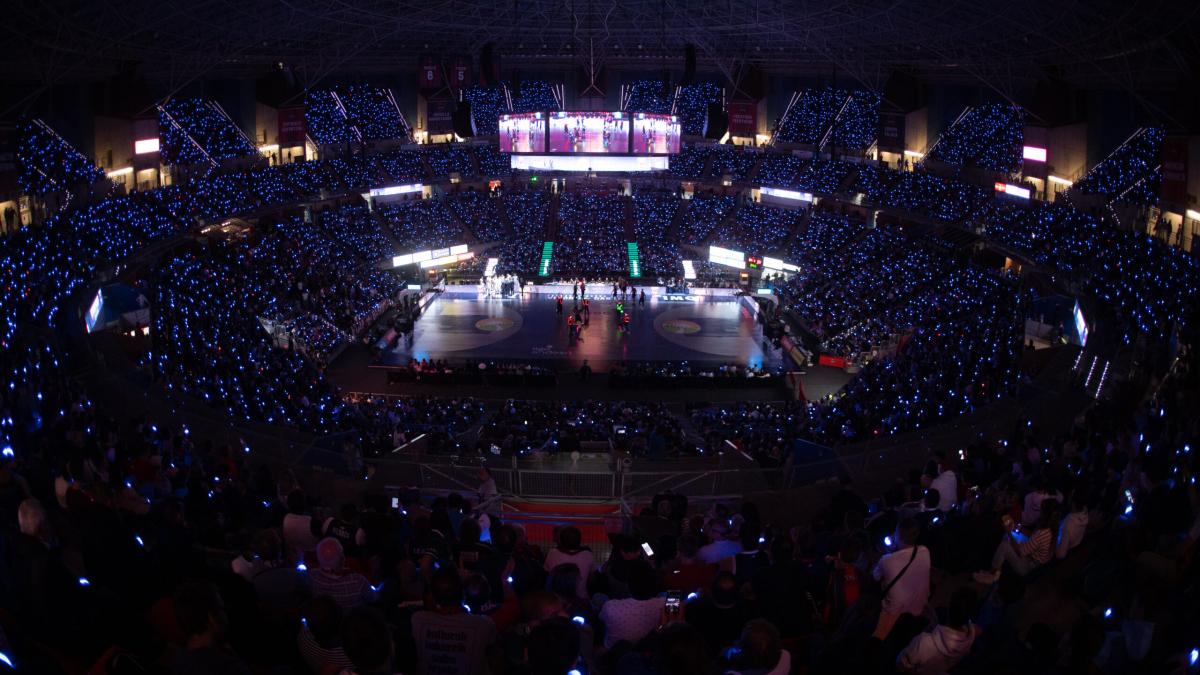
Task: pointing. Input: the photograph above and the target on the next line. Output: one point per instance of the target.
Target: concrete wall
(113, 142)
(1067, 150)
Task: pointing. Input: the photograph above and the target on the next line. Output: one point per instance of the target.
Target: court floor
(704, 331)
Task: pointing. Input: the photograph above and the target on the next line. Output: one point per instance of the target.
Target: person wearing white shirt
(721, 546)
(939, 649)
(946, 483)
(571, 551)
(631, 619)
(905, 572)
(1072, 528)
(1032, 510)
(298, 531)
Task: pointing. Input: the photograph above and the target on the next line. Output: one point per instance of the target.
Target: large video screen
(523, 132)
(655, 134)
(589, 132)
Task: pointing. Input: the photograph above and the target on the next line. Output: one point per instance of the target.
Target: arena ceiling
(1142, 44)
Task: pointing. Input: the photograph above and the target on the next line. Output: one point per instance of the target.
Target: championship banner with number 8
(430, 76)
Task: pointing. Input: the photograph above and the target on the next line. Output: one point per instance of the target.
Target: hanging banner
(439, 116)
(429, 75)
(891, 132)
(460, 77)
(743, 118)
(291, 126)
(1175, 170)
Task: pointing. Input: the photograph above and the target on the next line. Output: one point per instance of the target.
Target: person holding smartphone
(1024, 551)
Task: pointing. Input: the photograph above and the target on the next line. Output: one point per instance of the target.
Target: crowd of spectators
(523, 427)
(689, 163)
(823, 176)
(858, 121)
(591, 234)
(526, 212)
(812, 115)
(1151, 288)
(403, 165)
(156, 546)
(757, 229)
(492, 162)
(208, 343)
(1050, 235)
(857, 284)
(825, 235)
(315, 337)
(355, 227)
(649, 96)
(653, 214)
(48, 163)
(450, 158)
(481, 213)
(921, 192)
(373, 111)
(1132, 173)
(780, 169)
(107, 524)
(691, 104)
(486, 105)
(389, 422)
(988, 136)
(325, 120)
(422, 225)
(533, 96)
(962, 355)
(704, 212)
(765, 431)
(734, 162)
(196, 131)
(646, 374)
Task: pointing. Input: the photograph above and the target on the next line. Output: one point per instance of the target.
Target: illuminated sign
(93, 313)
(754, 262)
(449, 259)
(1080, 325)
(689, 270)
(396, 190)
(1034, 154)
(726, 257)
(792, 195)
(770, 263)
(421, 257)
(145, 146)
(1014, 190)
(590, 163)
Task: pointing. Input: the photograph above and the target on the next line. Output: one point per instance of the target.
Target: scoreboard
(589, 133)
(523, 132)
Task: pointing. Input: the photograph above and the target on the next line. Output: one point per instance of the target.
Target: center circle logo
(681, 327)
(494, 324)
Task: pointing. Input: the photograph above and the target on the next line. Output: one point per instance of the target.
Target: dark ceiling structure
(1139, 45)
